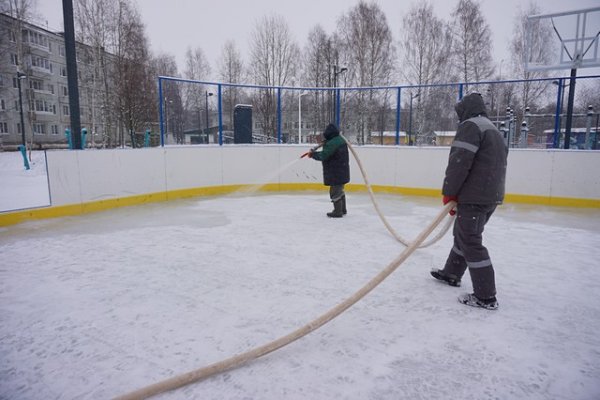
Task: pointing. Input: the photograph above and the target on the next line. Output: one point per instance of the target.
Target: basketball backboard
(575, 35)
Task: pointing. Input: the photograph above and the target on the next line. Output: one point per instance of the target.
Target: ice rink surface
(99, 305)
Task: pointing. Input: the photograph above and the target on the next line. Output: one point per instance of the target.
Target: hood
(330, 132)
(470, 106)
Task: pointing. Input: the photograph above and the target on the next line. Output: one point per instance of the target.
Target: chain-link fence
(530, 113)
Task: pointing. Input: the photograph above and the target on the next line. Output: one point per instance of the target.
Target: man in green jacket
(336, 168)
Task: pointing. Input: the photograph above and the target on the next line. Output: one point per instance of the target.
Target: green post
(83, 136)
(69, 140)
(147, 138)
(23, 151)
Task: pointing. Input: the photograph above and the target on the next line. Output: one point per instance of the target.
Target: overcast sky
(173, 26)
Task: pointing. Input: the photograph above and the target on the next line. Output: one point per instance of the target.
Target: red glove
(448, 199)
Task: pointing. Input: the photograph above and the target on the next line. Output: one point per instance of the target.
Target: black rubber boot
(337, 210)
(344, 211)
(450, 279)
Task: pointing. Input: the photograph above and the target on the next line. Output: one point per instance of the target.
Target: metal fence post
(160, 112)
(278, 115)
(220, 108)
(398, 116)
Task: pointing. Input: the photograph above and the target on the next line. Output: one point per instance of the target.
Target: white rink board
(91, 175)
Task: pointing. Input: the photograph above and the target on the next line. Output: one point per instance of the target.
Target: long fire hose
(433, 240)
(232, 362)
(235, 361)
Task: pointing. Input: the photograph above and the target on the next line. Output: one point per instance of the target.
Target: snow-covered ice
(98, 305)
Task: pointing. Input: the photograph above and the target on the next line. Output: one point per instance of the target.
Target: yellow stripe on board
(15, 217)
(552, 201)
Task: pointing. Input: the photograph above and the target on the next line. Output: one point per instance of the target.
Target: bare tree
(197, 68)
(427, 45)
(94, 21)
(320, 53)
(135, 85)
(369, 51)
(589, 94)
(273, 54)
(231, 69)
(540, 52)
(472, 43)
(165, 65)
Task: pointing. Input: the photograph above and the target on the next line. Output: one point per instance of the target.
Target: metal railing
(529, 112)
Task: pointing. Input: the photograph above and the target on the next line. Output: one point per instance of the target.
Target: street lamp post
(410, 118)
(20, 76)
(336, 72)
(300, 116)
(207, 94)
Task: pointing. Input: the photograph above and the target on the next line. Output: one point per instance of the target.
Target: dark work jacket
(476, 169)
(336, 165)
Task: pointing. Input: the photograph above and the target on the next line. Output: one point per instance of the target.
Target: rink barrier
(87, 181)
(16, 217)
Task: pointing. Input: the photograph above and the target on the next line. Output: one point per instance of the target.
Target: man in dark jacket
(475, 180)
(336, 168)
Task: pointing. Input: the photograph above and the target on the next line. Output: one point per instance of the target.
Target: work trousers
(468, 250)
(336, 192)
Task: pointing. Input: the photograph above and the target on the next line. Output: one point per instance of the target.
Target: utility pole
(72, 72)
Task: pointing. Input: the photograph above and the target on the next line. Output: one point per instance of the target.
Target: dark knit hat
(331, 131)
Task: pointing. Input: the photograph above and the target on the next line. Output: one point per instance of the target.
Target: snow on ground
(21, 188)
(96, 306)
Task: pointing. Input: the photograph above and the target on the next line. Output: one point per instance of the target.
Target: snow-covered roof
(445, 133)
(387, 133)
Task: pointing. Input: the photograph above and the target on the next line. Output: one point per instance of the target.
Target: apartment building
(39, 55)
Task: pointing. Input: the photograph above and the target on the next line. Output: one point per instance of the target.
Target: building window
(41, 62)
(54, 129)
(51, 88)
(3, 127)
(43, 106)
(35, 38)
(11, 36)
(19, 130)
(61, 51)
(65, 91)
(63, 71)
(2, 105)
(39, 129)
(14, 60)
(36, 84)
(1, 80)
(65, 110)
